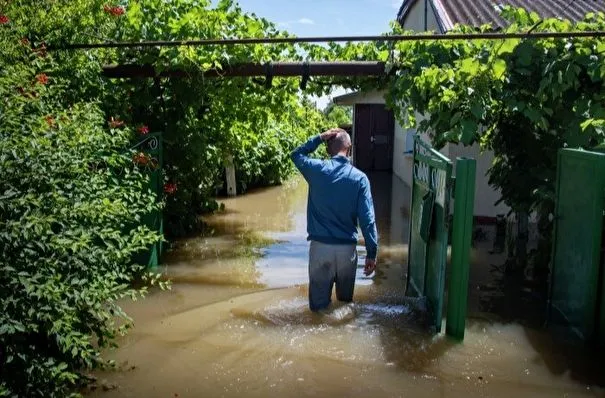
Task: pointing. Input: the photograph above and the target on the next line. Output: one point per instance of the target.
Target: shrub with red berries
(116, 11)
(42, 78)
(115, 123)
(169, 188)
(143, 130)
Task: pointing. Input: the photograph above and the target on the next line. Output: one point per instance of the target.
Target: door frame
(354, 132)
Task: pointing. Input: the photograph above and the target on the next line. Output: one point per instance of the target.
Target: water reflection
(237, 321)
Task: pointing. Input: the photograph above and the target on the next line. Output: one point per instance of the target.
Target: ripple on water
(295, 312)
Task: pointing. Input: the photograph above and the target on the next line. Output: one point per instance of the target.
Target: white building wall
(415, 18)
(401, 163)
(485, 195)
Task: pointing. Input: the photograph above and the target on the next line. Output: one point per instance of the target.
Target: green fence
(577, 298)
(152, 147)
(428, 243)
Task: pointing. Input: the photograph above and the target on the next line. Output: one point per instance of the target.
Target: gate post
(464, 198)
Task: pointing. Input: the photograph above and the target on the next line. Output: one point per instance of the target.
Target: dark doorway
(374, 130)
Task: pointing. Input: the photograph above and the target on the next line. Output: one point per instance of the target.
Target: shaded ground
(236, 321)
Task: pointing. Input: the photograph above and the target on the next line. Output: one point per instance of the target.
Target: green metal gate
(577, 280)
(428, 242)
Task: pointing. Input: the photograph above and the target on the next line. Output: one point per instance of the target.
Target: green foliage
(209, 121)
(338, 115)
(263, 157)
(205, 121)
(71, 201)
(71, 197)
(522, 99)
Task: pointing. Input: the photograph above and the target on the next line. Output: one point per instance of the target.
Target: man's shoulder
(358, 174)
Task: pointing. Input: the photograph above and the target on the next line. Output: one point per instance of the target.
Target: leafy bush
(262, 157)
(522, 99)
(339, 115)
(71, 201)
(204, 121)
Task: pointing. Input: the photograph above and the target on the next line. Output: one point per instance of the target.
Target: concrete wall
(401, 160)
(485, 195)
(400, 211)
(415, 19)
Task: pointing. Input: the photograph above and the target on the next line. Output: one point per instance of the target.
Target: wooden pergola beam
(285, 69)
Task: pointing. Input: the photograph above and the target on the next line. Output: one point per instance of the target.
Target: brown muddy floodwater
(236, 322)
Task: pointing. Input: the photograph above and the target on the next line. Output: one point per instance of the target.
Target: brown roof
(479, 12)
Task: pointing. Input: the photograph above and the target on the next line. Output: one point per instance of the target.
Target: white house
(380, 143)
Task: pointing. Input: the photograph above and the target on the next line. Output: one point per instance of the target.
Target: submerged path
(236, 322)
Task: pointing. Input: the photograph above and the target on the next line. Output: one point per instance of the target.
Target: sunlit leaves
(514, 96)
(498, 68)
(469, 66)
(70, 200)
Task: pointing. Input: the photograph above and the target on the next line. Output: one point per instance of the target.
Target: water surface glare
(236, 322)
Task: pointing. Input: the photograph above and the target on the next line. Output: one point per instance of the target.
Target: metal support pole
(250, 69)
(464, 201)
(328, 39)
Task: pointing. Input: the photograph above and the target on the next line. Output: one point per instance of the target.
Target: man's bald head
(339, 144)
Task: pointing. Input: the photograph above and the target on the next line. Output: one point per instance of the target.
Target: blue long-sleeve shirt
(339, 195)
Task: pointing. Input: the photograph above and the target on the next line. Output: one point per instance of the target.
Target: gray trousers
(329, 265)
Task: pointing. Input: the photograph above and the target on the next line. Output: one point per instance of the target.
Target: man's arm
(300, 155)
(367, 221)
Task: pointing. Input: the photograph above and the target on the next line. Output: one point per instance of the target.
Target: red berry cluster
(4, 19)
(42, 78)
(116, 11)
(143, 130)
(50, 120)
(115, 123)
(141, 159)
(170, 188)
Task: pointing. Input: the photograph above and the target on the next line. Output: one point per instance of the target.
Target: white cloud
(301, 21)
(306, 21)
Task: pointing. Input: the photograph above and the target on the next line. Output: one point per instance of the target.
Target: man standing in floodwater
(339, 196)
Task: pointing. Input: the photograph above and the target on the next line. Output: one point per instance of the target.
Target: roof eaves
(404, 10)
(443, 19)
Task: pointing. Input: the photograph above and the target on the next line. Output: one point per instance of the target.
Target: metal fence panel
(574, 293)
(432, 177)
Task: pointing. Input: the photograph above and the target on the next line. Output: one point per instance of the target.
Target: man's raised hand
(328, 134)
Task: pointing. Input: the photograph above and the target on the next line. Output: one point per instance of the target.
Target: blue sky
(327, 17)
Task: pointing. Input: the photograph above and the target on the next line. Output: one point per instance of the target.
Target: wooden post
(230, 172)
